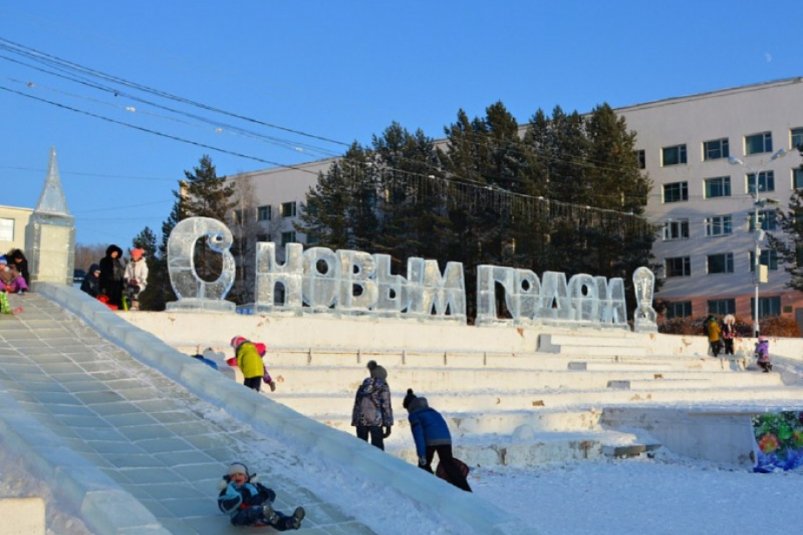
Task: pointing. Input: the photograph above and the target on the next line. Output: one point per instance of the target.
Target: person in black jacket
(248, 502)
(17, 258)
(91, 282)
(111, 275)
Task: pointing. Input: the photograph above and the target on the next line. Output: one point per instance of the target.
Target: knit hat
(136, 253)
(3, 259)
(377, 371)
(237, 341)
(238, 468)
(409, 398)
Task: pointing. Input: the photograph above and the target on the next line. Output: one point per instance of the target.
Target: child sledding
(250, 503)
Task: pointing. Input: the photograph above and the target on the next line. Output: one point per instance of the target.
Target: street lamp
(758, 231)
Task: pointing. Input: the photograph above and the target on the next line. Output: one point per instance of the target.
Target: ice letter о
(644, 315)
(270, 274)
(321, 278)
(191, 290)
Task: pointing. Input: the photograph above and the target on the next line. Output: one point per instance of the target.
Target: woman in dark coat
(111, 275)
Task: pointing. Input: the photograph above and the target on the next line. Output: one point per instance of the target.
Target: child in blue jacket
(248, 502)
(431, 434)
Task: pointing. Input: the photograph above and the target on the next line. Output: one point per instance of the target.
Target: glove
(386, 431)
(422, 461)
(272, 386)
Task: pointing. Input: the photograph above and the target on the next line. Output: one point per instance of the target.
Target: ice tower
(50, 234)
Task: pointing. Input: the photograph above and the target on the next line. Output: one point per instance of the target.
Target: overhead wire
(62, 65)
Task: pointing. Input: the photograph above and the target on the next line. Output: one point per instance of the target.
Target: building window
(676, 192)
(289, 209)
(718, 225)
(797, 138)
(7, 229)
(680, 309)
(768, 258)
(720, 263)
(797, 178)
(717, 187)
(263, 213)
(766, 181)
(722, 306)
(675, 155)
(767, 306)
(262, 237)
(676, 230)
(678, 267)
(768, 218)
(641, 158)
(288, 237)
(716, 149)
(758, 143)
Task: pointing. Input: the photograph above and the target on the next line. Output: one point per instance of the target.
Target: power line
(49, 58)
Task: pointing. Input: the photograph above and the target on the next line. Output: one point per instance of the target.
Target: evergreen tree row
(567, 195)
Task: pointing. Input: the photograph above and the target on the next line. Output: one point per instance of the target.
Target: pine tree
(789, 245)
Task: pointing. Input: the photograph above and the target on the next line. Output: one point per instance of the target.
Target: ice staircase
(522, 409)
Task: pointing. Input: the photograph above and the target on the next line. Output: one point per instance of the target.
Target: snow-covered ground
(665, 495)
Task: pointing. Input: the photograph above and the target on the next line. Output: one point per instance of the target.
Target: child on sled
(249, 503)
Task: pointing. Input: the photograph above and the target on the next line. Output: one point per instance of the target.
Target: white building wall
(731, 114)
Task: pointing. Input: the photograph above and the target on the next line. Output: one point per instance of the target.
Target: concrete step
(485, 422)
(299, 380)
(328, 403)
(537, 448)
(286, 358)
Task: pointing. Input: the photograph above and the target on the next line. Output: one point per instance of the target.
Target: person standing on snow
(372, 413)
(111, 275)
(135, 276)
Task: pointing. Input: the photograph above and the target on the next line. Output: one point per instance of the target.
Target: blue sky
(336, 70)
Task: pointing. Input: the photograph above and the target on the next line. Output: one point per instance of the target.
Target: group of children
(724, 334)
(117, 283)
(14, 277)
(248, 502)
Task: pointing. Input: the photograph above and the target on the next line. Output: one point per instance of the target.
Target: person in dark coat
(111, 275)
(431, 434)
(372, 413)
(249, 503)
(91, 282)
(17, 258)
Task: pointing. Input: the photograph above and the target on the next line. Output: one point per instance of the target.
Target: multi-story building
(710, 156)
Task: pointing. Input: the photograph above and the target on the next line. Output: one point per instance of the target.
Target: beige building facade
(13, 221)
(704, 153)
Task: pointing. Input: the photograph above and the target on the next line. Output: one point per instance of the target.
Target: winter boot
(298, 516)
(270, 515)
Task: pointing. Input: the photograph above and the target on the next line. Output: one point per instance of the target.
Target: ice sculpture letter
(644, 315)
(270, 275)
(192, 291)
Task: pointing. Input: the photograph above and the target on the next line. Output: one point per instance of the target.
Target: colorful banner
(778, 441)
